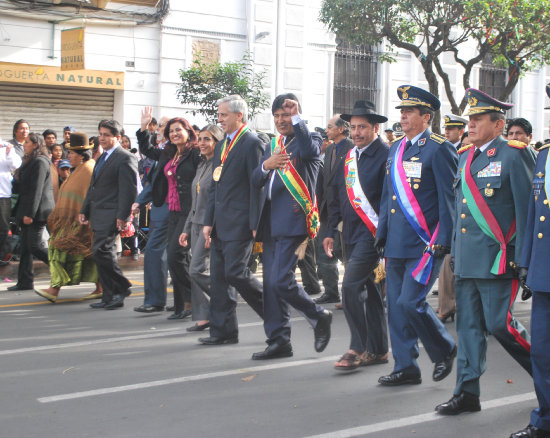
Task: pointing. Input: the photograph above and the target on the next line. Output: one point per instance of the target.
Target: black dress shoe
(116, 302)
(148, 309)
(99, 305)
(400, 378)
(531, 432)
(463, 402)
(326, 299)
(322, 330)
(17, 287)
(218, 341)
(198, 327)
(443, 369)
(274, 351)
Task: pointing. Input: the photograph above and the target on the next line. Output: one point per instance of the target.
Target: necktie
(477, 153)
(408, 145)
(100, 162)
(333, 158)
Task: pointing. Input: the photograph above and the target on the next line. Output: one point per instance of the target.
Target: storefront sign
(72, 49)
(45, 75)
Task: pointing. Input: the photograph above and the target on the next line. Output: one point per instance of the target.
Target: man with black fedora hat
(357, 188)
(492, 188)
(414, 234)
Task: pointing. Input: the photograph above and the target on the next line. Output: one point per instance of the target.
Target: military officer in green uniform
(492, 186)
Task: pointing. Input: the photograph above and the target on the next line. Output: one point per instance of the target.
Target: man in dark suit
(357, 189)
(288, 173)
(107, 207)
(230, 221)
(415, 227)
(492, 198)
(337, 132)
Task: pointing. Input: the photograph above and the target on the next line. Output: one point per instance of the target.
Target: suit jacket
(35, 190)
(287, 216)
(326, 175)
(112, 191)
(199, 195)
(536, 244)
(372, 171)
(503, 176)
(433, 191)
(233, 204)
(185, 172)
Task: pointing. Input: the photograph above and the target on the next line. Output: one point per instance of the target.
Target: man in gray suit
(231, 218)
(107, 207)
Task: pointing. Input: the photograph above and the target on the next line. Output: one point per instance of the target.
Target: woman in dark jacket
(179, 162)
(33, 183)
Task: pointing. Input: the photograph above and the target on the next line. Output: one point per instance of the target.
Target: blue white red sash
(356, 195)
(412, 211)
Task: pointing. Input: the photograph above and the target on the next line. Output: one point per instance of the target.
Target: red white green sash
(226, 149)
(484, 217)
(356, 195)
(298, 189)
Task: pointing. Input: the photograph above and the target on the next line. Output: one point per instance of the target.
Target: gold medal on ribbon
(169, 173)
(217, 173)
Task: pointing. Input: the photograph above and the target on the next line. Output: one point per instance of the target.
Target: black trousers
(32, 244)
(110, 275)
(178, 261)
(5, 213)
(228, 267)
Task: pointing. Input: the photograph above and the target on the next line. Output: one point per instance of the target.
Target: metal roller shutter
(53, 107)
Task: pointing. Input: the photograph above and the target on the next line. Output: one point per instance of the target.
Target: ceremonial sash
(413, 213)
(484, 217)
(298, 189)
(226, 149)
(356, 195)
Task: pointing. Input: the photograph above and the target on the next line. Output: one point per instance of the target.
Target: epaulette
(544, 146)
(517, 144)
(398, 138)
(465, 148)
(438, 138)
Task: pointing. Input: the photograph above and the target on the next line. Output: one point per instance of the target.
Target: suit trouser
(5, 212)
(540, 358)
(411, 318)
(32, 244)
(281, 290)
(155, 265)
(362, 300)
(200, 275)
(110, 275)
(484, 306)
(446, 288)
(327, 267)
(178, 262)
(308, 270)
(228, 267)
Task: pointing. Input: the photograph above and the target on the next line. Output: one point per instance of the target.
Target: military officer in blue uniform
(414, 234)
(535, 277)
(492, 194)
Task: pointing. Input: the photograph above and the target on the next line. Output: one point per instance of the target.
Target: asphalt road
(69, 371)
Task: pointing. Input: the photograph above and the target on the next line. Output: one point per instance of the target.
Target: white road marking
(164, 382)
(155, 334)
(397, 423)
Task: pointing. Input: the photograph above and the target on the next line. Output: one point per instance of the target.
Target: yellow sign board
(72, 49)
(46, 75)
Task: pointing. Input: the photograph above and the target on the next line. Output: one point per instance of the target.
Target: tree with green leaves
(206, 82)
(514, 33)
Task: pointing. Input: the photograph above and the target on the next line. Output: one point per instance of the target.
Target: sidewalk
(42, 271)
